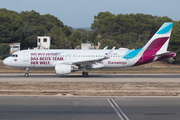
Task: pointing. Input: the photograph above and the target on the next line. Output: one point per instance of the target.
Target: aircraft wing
(85, 62)
(91, 61)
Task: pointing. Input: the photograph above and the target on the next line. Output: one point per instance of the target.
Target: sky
(80, 13)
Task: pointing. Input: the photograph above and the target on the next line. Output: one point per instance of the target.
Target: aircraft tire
(26, 75)
(85, 74)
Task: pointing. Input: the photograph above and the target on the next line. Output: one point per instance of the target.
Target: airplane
(66, 61)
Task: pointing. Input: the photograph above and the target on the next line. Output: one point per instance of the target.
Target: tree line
(24, 27)
(132, 30)
(122, 30)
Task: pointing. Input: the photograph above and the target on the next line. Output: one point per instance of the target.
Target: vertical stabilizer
(156, 45)
(160, 39)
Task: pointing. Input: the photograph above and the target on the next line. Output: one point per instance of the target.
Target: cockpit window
(14, 55)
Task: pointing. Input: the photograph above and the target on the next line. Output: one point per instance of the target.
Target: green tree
(76, 39)
(9, 23)
(109, 43)
(85, 34)
(127, 30)
(4, 50)
(174, 42)
(53, 47)
(59, 39)
(94, 37)
(27, 36)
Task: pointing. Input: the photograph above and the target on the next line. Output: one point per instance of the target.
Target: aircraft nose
(6, 61)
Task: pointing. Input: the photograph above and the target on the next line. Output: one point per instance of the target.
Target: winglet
(110, 53)
(105, 48)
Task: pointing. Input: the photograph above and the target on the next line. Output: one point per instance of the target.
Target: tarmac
(89, 108)
(91, 78)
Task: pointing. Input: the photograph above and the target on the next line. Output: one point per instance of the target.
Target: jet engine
(65, 69)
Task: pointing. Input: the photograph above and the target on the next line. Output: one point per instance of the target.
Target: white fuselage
(46, 58)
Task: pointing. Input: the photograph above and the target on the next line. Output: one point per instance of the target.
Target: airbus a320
(66, 61)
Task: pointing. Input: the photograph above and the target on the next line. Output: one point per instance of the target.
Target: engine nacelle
(63, 69)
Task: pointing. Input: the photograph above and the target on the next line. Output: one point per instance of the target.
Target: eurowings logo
(15, 60)
(118, 62)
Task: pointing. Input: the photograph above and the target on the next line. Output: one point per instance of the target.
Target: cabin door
(26, 56)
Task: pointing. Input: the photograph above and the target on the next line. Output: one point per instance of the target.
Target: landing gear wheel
(85, 74)
(26, 75)
(27, 71)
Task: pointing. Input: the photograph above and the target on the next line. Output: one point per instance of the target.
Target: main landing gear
(27, 72)
(84, 73)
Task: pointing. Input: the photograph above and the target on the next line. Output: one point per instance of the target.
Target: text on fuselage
(44, 58)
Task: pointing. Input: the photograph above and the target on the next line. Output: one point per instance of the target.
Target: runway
(91, 78)
(88, 108)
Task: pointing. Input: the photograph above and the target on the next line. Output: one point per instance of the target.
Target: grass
(98, 89)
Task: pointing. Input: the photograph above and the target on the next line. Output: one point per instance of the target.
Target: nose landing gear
(27, 72)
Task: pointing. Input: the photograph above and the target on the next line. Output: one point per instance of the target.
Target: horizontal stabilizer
(165, 54)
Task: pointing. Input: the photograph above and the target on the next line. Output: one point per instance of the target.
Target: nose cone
(9, 61)
(5, 61)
